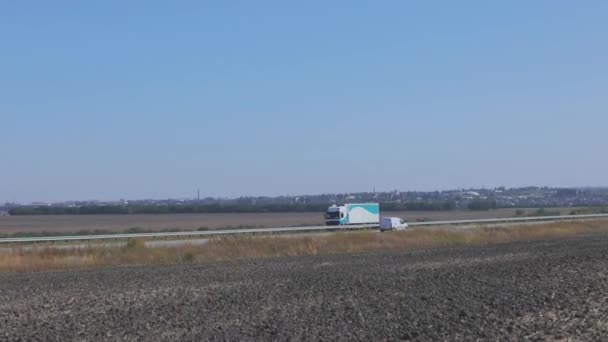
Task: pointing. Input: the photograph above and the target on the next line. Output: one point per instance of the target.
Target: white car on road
(392, 223)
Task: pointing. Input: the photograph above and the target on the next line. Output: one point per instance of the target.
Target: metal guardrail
(287, 229)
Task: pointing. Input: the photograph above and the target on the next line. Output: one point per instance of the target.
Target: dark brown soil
(552, 290)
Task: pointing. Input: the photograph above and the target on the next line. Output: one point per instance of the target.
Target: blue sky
(150, 99)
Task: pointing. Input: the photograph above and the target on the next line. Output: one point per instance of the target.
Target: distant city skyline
(118, 99)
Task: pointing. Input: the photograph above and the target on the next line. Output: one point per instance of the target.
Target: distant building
(4, 213)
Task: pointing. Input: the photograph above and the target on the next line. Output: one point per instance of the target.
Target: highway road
(209, 233)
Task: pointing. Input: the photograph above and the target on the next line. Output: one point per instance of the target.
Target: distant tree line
(480, 204)
(213, 208)
(421, 206)
(167, 209)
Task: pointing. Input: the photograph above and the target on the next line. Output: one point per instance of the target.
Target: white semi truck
(353, 213)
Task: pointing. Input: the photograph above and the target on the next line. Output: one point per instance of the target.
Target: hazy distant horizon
(202, 196)
(137, 100)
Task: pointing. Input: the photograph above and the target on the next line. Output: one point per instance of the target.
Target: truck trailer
(353, 213)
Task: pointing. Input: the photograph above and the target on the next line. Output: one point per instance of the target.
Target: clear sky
(152, 99)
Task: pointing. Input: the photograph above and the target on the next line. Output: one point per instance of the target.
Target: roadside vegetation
(553, 212)
(135, 252)
(132, 230)
(589, 211)
(540, 212)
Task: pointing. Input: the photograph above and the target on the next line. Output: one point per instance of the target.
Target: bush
(545, 212)
(188, 257)
(135, 244)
